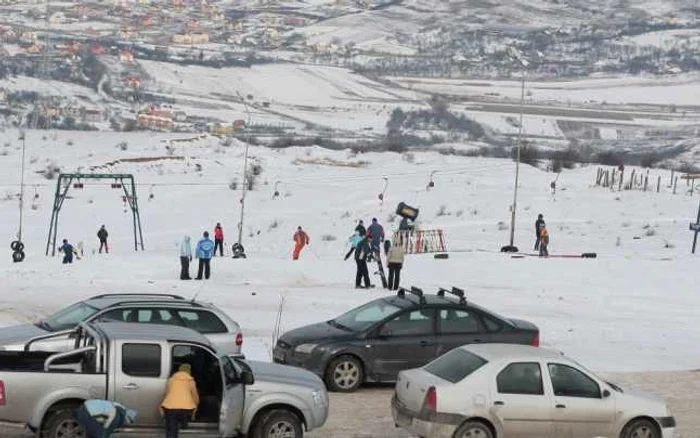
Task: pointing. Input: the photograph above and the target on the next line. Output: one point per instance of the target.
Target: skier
(375, 233)
(539, 225)
(354, 240)
(362, 253)
(205, 250)
(68, 252)
(544, 242)
(102, 235)
(301, 239)
(360, 228)
(218, 239)
(185, 258)
(181, 400)
(395, 260)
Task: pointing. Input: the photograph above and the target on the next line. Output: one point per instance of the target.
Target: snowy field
(632, 309)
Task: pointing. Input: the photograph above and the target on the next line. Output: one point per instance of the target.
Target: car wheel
(344, 374)
(641, 429)
(278, 423)
(63, 424)
(473, 429)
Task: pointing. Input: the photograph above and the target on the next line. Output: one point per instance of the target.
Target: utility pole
(517, 163)
(22, 136)
(695, 227)
(245, 170)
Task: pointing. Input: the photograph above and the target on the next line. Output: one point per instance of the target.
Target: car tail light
(3, 400)
(536, 340)
(239, 339)
(430, 402)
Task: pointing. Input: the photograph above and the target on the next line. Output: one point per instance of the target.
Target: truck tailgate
(27, 395)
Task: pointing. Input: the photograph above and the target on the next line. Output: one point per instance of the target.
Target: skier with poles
(218, 239)
(301, 239)
(68, 252)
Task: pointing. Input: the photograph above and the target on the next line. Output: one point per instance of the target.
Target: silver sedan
(516, 391)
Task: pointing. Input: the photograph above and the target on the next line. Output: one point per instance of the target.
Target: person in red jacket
(219, 239)
(301, 239)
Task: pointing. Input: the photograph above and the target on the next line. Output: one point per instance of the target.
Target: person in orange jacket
(544, 242)
(181, 401)
(301, 239)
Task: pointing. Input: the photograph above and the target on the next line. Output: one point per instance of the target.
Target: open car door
(233, 397)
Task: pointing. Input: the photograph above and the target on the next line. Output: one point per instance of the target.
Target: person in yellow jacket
(181, 401)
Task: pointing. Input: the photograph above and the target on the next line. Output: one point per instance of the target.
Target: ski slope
(632, 309)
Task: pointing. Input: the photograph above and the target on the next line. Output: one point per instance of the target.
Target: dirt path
(366, 414)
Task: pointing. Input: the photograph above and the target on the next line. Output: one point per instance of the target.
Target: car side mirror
(606, 393)
(247, 378)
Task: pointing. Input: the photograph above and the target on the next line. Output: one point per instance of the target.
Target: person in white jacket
(185, 258)
(395, 259)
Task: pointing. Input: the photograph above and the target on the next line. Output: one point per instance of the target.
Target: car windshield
(365, 316)
(68, 317)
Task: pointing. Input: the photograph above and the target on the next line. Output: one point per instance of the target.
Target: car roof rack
(414, 291)
(177, 297)
(159, 302)
(456, 292)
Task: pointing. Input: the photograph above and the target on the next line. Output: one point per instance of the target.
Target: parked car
(205, 318)
(505, 391)
(377, 340)
(130, 364)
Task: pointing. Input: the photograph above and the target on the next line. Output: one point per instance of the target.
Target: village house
(8, 35)
(155, 122)
(3, 95)
(97, 49)
(93, 115)
(132, 82)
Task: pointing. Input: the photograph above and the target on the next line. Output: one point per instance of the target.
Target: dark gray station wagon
(374, 342)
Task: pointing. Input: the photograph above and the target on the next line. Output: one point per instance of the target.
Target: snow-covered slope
(633, 308)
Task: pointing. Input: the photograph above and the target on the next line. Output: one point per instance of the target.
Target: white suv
(516, 391)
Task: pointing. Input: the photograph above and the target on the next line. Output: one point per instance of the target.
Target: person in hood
(181, 400)
(301, 239)
(205, 251)
(362, 253)
(375, 233)
(185, 258)
(102, 417)
(219, 239)
(102, 235)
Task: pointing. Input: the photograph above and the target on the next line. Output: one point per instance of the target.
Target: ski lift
(381, 195)
(431, 183)
(78, 185)
(35, 199)
(277, 192)
(116, 185)
(151, 196)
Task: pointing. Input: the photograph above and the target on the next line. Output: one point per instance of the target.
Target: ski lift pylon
(151, 196)
(386, 185)
(431, 183)
(277, 192)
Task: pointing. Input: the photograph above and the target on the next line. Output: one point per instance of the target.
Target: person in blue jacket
(68, 252)
(205, 251)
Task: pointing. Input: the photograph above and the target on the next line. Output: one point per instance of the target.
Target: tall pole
(21, 194)
(517, 162)
(697, 224)
(245, 172)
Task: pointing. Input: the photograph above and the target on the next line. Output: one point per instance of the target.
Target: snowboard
(380, 269)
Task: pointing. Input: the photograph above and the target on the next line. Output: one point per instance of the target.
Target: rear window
(455, 365)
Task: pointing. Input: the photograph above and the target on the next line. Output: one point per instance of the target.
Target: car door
(139, 379)
(580, 408)
(406, 341)
(520, 402)
(233, 400)
(457, 327)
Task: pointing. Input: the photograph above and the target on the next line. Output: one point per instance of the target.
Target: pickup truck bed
(31, 360)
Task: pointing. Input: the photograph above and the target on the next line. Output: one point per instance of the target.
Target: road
(366, 414)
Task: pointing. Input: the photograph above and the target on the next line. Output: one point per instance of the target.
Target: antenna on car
(456, 292)
(419, 293)
(195, 296)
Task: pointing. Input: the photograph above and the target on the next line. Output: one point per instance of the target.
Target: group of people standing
(365, 245)
(204, 251)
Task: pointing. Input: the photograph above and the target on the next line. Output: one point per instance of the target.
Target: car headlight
(305, 348)
(319, 397)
